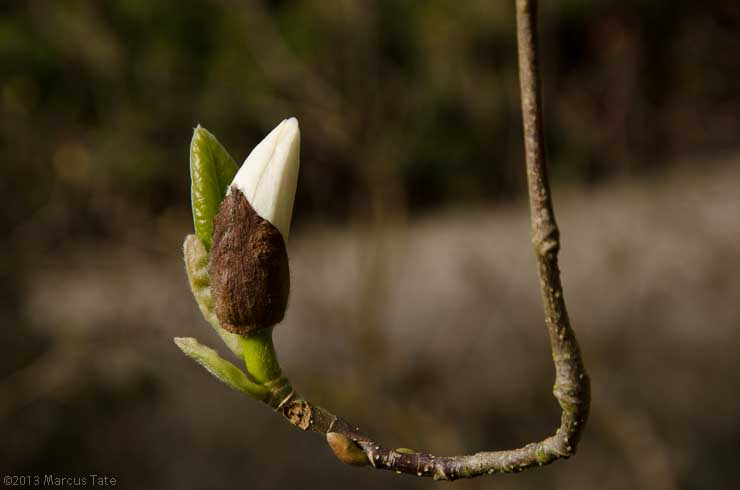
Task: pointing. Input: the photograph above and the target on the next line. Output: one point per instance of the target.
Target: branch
(571, 389)
(572, 386)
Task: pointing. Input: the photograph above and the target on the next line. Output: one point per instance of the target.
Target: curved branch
(571, 388)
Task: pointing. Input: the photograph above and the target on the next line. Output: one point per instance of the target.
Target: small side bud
(346, 451)
(248, 268)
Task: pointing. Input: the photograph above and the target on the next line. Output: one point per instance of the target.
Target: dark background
(415, 311)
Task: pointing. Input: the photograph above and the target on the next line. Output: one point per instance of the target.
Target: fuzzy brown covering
(248, 268)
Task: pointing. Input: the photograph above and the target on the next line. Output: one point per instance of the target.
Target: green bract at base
(222, 369)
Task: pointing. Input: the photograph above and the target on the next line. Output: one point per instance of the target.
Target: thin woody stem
(571, 381)
(572, 386)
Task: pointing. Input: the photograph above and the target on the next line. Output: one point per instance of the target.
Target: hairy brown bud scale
(248, 268)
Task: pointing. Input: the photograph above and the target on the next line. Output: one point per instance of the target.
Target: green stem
(260, 357)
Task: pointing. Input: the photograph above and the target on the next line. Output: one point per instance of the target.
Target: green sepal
(196, 265)
(225, 371)
(211, 171)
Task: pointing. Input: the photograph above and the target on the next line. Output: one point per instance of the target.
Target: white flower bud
(269, 175)
(248, 268)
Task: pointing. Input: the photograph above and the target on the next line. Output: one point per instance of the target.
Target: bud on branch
(249, 282)
(248, 267)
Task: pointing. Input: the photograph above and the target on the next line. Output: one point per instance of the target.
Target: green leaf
(196, 265)
(211, 171)
(225, 371)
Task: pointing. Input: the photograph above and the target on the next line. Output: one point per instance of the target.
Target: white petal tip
(291, 124)
(269, 175)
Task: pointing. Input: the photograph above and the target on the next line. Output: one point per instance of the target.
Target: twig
(571, 381)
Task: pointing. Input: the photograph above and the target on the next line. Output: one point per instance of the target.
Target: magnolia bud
(248, 267)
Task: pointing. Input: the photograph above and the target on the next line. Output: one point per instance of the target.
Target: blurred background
(415, 311)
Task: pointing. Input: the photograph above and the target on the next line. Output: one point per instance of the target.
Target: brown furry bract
(248, 268)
